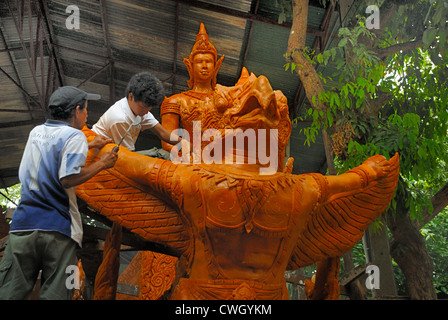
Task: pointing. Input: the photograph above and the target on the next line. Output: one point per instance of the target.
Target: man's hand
(108, 159)
(99, 142)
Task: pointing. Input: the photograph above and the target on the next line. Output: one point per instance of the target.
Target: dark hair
(146, 88)
(60, 113)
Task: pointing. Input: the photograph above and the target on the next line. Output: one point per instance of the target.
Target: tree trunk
(409, 251)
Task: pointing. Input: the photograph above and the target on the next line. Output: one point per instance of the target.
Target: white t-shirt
(117, 120)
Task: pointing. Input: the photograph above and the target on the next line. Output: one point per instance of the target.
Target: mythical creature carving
(235, 228)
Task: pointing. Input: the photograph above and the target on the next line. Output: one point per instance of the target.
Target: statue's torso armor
(238, 226)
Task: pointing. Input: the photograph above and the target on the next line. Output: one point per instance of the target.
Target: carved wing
(132, 205)
(339, 222)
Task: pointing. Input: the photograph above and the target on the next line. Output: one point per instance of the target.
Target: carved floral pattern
(157, 274)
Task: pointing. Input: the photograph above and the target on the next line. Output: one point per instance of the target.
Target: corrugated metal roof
(118, 38)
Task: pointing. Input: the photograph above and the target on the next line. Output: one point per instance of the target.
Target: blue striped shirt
(54, 150)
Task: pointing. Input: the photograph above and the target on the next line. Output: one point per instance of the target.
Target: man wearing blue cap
(46, 227)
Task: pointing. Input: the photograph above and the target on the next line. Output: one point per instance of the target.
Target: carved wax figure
(237, 230)
(203, 66)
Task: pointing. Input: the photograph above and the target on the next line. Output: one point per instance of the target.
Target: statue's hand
(379, 164)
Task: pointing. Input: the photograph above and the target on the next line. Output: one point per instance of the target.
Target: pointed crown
(203, 45)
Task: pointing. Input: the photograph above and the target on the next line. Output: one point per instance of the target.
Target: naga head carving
(249, 109)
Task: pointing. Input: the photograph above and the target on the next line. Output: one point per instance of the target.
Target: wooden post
(377, 251)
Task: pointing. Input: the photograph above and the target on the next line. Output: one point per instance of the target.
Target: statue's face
(203, 67)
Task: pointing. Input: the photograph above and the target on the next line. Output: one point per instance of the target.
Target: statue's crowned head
(202, 45)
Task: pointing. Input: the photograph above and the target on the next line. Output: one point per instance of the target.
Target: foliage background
(13, 193)
(386, 101)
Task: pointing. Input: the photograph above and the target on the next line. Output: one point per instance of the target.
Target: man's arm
(106, 161)
(166, 135)
(173, 139)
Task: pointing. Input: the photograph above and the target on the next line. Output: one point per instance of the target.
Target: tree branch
(297, 36)
(385, 52)
(376, 104)
(439, 202)
(388, 10)
(296, 45)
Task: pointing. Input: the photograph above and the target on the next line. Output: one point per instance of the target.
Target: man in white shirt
(144, 91)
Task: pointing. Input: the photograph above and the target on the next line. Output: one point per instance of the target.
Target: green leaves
(436, 23)
(428, 37)
(436, 234)
(343, 42)
(10, 197)
(292, 66)
(414, 123)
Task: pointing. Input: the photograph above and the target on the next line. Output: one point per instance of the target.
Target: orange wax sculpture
(235, 230)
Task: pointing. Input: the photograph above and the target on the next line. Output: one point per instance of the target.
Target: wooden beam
(51, 41)
(128, 239)
(354, 274)
(116, 61)
(21, 110)
(344, 282)
(18, 20)
(296, 279)
(111, 63)
(26, 95)
(94, 75)
(254, 9)
(112, 83)
(243, 15)
(129, 289)
(18, 85)
(33, 122)
(105, 26)
(176, 37)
